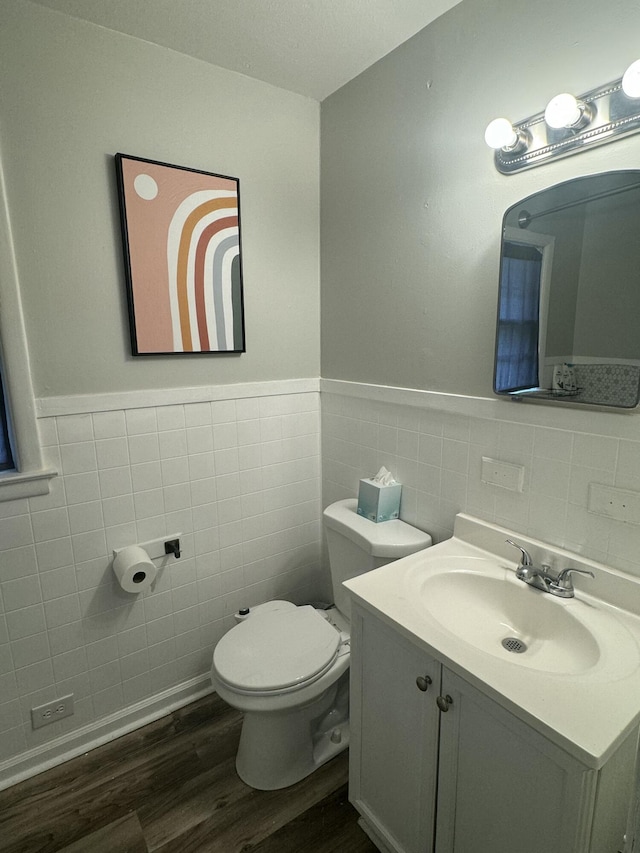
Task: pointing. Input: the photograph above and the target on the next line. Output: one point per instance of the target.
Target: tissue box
(377, 502)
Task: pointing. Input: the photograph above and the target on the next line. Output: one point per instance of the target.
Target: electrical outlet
(48, 713)
(503, 474)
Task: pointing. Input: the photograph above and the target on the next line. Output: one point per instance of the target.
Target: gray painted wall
(411, 202)
(72, 96)
(607, 318)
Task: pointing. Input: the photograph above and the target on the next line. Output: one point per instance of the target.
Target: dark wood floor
(172, 787)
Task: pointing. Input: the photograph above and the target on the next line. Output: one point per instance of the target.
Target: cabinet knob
(423, 682)
(443, 702)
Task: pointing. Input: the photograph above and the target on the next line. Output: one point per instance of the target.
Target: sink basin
(486, 606)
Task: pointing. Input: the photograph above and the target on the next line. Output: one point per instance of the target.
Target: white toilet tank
(357, 545)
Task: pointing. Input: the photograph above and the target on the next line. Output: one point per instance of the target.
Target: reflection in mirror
(569, 296)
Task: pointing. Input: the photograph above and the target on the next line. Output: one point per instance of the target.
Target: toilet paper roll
(134, 569)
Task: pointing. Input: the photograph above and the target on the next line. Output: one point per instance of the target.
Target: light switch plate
(503, 474)
(614, 503)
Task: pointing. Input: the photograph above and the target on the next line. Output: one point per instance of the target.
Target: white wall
(224, 449)
(74, 94)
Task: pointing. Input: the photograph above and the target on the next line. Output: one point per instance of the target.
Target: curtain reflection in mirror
(518, 318)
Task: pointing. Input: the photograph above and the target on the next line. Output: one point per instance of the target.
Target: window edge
(31, 476)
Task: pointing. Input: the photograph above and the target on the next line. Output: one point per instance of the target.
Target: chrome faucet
(540, 577)
(527, 571)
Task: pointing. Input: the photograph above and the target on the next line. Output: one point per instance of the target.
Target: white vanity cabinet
(393, 735)
(468, 776)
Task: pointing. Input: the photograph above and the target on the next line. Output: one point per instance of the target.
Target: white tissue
(384, 478)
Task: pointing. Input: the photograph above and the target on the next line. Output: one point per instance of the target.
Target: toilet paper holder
(133, 565)
(162, 547)
(172, 546)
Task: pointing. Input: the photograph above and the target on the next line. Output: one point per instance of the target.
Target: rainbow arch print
(181, 230)
(202, 245)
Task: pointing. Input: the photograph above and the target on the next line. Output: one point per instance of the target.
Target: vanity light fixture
(566, 111)
(500, 133)
(631, 80)
(568, 124)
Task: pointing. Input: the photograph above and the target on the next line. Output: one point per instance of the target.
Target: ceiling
(312, 47)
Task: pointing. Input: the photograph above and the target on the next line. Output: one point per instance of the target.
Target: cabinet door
(503, 788)
(393, 750)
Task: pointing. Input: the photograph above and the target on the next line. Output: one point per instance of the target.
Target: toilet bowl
(286, 667)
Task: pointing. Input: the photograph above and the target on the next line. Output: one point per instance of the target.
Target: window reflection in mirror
(569, 293)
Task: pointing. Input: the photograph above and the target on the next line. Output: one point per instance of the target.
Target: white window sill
(15, 486)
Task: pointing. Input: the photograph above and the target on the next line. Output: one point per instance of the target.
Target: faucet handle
(563, 581)
(562, 586)
(525, 559)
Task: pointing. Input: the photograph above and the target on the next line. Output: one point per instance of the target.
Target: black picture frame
(181, 239)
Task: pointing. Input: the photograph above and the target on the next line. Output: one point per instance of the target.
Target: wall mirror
(568, 326)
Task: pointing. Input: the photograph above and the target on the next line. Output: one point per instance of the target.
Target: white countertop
(586, 713)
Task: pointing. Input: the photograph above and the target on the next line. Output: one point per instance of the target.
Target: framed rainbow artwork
(183, 264)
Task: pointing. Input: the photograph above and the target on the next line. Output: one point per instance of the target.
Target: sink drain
(513, 644)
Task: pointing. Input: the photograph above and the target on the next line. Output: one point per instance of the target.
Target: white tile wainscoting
(236, 469)
(434, 443)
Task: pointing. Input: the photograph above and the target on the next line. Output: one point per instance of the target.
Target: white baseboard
(101, 731)
(375, 836)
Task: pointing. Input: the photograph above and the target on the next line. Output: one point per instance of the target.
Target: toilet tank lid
(387, 539)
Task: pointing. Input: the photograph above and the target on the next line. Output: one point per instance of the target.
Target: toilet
(286, 667)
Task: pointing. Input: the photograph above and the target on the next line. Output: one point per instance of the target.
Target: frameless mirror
(569, 296)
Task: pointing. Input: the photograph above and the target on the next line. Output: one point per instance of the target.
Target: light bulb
(500, 134)
(562, 111)
(631, 80)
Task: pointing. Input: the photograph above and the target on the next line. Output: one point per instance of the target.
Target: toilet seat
(277, 651)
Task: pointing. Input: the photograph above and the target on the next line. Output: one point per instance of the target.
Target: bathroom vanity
(461, 745)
